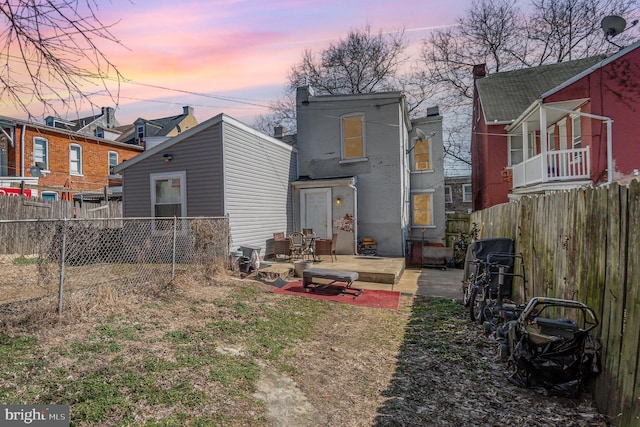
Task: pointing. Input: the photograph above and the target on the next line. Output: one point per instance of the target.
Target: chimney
(302, 95)
(279, 131)
(479, 71)
(187, 111)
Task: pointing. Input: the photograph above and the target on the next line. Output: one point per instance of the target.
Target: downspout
(24, 128)
(355, 217)
(609, 151)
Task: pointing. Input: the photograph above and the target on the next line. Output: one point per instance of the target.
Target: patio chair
(327, 247)
(297, 244)
(280, 245)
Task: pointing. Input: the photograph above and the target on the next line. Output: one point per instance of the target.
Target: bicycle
(487, 295)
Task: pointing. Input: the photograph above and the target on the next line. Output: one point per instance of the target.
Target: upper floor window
(448, 194)
(41, 153)
(551, 138)
(353, 137)
(75, 159)
(99, 132)
(139, 132)
(422, 154)
(466, 193)
(113, 161)
(576, 131)
(516, 148)
(422, 209)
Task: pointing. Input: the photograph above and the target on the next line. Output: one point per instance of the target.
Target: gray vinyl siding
(200, 156)
(258, 195)
(380, 179)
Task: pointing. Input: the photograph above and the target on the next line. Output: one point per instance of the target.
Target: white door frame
(303, 206)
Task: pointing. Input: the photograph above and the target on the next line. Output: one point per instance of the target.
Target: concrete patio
(381, 273)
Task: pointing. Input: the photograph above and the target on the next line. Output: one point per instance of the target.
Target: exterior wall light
(338, 201)
(167, 157)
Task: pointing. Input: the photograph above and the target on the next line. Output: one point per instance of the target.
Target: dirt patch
(423, 364)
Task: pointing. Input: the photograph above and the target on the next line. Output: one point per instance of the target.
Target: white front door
(315, 211)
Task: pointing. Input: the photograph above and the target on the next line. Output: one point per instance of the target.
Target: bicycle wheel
(477, 304)
(466, 293)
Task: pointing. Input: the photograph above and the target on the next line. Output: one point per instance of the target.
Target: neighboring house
(366, 170)
(49, 159)
(579, 120)
(100, 125)
(458, 194)
(149, 133)
(220, 167)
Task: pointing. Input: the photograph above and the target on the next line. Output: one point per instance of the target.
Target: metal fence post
(173, 249)
(62, 256)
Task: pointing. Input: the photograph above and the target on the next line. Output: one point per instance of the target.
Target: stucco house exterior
(366, 170)
(221, 167)
(55, 162)
(578, 119)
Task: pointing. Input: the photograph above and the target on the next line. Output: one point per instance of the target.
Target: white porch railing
(557, 165)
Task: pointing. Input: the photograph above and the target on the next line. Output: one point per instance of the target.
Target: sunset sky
(196, 52)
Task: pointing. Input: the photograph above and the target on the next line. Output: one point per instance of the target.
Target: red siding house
(555, 127)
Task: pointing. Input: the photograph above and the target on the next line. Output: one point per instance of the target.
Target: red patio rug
(368, 298)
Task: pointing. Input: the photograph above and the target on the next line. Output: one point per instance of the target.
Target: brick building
(457, 194)
(48, 160)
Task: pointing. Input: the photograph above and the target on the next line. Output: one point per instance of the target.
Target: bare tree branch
(49, 52)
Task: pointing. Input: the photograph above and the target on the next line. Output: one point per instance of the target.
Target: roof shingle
(504, 96)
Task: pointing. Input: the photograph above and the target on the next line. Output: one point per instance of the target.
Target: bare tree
(50, 50)
(360, 63)
(563, 30)
(491, 32)
(283, 113)
(505, 35)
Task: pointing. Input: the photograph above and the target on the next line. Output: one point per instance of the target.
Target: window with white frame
(168, 194)
(139, 132)
(75, 159)
(353, 146)
(516, 148)
(49, 195)
(562, 134)
(421, 154)
(448, 194)
(466, 193)
(113, 161)
(423, 209)
(41, 153)
(576, 131)
(551, 138)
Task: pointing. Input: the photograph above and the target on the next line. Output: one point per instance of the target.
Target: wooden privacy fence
(584, 244)
(17, 207)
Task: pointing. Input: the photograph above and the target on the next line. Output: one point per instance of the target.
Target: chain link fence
(42, 258)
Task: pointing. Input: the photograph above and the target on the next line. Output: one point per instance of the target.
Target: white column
(543, 143)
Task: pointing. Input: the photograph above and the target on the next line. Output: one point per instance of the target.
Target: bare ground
(415, 366)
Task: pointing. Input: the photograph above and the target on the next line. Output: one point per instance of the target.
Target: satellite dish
(612, 25)
(35, 171)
